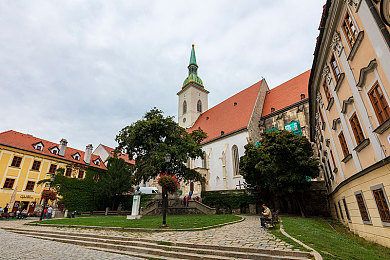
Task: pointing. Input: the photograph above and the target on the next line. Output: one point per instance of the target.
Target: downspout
(379, 22)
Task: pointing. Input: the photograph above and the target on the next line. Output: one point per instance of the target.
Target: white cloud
(82, 70)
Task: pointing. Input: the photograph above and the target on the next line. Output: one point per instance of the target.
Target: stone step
(182, 251)
(141, 252)
(153, 244)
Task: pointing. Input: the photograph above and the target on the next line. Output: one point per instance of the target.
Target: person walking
(1, 212)
(266, 216)
(44, 212)
(49, 212)
(6, 209)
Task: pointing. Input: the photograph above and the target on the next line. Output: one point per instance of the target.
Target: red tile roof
(229, 116)
(287, 94)
(25, 142)
(123, 156)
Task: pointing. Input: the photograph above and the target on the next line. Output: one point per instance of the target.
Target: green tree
(280, 165)
(116, 181)
(150, 139)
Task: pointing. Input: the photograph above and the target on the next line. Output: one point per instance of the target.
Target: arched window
(199, 106)
(236, 160)
(184, 107)
(204, 161)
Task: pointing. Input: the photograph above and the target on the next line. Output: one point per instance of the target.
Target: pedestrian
(185, 201)
(18, 214)
(266, 216)
(49, 212)
(190, 194)
(1, 212)
(6, 209)
(44, 212)
(24, 214)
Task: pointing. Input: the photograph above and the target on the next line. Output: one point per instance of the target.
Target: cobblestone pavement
(15, 246)
(243, 234)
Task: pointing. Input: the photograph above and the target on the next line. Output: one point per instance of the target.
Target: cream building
(349, 114)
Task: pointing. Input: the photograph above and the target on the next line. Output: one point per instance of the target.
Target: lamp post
(52, 177)
(165, 193)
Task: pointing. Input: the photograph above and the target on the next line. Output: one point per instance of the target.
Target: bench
(274, 220)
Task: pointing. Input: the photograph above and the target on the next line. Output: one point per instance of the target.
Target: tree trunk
(165, 207)
(299, 202)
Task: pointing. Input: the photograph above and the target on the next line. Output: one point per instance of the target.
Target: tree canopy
(148, 140)
(280, 165)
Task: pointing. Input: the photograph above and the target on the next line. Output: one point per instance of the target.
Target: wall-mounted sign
(26, 197)
(294, 126)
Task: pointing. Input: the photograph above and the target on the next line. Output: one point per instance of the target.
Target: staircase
(149, 249)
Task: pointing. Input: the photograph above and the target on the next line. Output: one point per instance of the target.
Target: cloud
(82, 70)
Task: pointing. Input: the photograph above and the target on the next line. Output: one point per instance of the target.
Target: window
(97, 162)
(362, 207)
(322, 118)
(349, 30)
(326, 91)
(356, 128)
(55, 150)
(236, 160)
(30, 185)
(272, 109)
(81, 174)
(9, 183)
(38, 146)
(343, 144)
(184, 107)
(302, 96)
(53, 168)
(346, 209)
(76, 156)
(381, 203)
(379, 103)
(331, 156)
(68, 172)
(36, 165)
(335, 209)
(341, 212)
(204, 163)
(335, 68)
(16, 161)
(199, 106)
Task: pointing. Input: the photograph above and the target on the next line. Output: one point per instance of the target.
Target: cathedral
(236, 121)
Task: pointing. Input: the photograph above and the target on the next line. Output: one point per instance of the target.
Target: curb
(136, 229)
(316, 255)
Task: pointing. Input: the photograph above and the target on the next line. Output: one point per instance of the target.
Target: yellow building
(25, 160)
(349, 92)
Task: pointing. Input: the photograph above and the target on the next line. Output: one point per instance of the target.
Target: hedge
(233, 199)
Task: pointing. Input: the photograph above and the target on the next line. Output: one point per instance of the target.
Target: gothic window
(184, 107)
(236, 160)
(199, 106)
(204, 163)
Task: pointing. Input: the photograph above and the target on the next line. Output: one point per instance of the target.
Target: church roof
(26, 142)
(231, 115)
(286, 94)
(123, 156)
(193, 72)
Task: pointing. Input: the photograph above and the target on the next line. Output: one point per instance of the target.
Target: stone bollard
(106, 213)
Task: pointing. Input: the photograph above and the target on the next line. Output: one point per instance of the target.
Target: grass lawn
(333, 240)
(174, 222)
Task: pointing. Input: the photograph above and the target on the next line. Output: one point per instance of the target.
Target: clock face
(184, 120)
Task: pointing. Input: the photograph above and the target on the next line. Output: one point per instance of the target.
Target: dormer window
(272, 109)
(38, 146)
(76, 156)
(222, 132)
(302, 96)
(97, 162)
(235, 104)
(55, 150)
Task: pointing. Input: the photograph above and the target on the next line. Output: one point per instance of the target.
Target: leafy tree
(150, 139)
(280, 165)
(116, 181)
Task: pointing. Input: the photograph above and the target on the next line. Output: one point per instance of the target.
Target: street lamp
(165, 193)
(52, 177)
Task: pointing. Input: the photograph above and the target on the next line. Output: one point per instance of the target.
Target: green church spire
(193, 67)
(193, 71)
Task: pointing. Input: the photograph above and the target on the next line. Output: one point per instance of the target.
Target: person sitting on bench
(266, 216)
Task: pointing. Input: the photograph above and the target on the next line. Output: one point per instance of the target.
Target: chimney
(62, 147)
(88, 152)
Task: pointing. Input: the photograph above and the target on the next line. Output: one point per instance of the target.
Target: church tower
(193, 97)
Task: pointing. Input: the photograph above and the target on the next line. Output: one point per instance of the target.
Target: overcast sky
(82, 70)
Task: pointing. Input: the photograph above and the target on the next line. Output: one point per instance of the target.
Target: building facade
(25, 160)
(349, 113)
(237, 121)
